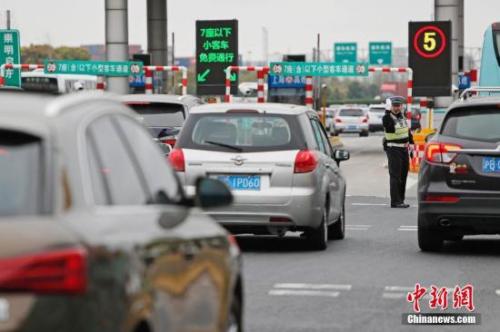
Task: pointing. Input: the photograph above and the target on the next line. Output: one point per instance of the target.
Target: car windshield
(20, 178)
(474, 124)
(159, 114)
(351, 112)
(377, 110)
(241, 132)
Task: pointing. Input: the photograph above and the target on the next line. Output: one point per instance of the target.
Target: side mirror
(341, 155)
(165, 148)
(212, 193)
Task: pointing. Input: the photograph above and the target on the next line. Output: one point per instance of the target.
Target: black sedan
(459, 180)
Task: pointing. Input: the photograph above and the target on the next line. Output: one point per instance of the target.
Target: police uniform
(397, 137)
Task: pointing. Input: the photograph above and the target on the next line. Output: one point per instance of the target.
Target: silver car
(278, 162)
(351, 120)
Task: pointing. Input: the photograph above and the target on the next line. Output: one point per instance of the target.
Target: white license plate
(352, 127)
(4, 310)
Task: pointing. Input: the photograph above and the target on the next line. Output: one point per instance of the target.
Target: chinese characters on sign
(463, 297)
(98, 68)
(10, 53)
(216, 49)
(380, 53)
(345, 52)
(318, 69)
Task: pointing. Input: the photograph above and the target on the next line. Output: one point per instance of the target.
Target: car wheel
(363, 134)
(235, 321)
(318, 238)
(336, 231)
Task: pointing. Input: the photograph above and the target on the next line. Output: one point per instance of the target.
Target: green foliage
(38, 53)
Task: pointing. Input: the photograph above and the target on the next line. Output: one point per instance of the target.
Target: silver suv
(277, 160)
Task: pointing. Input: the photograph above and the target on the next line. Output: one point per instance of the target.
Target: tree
(71, 53)
(38, 53)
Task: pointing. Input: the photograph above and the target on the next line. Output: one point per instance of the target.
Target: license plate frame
(491, 165)
(242, 182)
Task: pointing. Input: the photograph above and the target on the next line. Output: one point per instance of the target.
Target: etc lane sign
(323, 69)
(10, 53)
(380, 53)
(97, 68)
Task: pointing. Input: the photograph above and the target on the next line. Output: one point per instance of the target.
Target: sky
(292, 25)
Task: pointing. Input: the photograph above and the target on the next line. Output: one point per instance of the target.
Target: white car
(351, 120)
(375, 114)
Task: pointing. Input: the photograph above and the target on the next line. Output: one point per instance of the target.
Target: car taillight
(234, 248)
(54, 272)
(176, 158)
(170, 141)
(337, 120)
(441, 199)
(305, 162)
(365, 119)
(441, 152)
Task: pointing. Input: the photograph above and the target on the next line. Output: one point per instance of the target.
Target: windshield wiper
(224, 145)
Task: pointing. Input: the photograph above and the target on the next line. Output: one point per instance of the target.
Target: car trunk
(475, 166)
(249, 175)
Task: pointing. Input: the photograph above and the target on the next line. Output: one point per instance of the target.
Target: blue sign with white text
(275, 81)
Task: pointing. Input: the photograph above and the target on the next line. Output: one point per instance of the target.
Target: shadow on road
(472, 247)
(273, 244)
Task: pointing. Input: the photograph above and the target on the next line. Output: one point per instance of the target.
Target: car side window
(159, 175)
(116, 166)
(317, 135)
(324, 138)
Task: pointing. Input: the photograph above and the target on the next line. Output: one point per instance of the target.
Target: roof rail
(467, 92)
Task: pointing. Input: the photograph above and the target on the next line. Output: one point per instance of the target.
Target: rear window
(241, 132)
(474, 124)
(160, 114)
(496, 43)
(351, 112)
(20, 178)
(377, 110)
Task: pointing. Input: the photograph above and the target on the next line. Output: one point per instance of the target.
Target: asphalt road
(361, 283)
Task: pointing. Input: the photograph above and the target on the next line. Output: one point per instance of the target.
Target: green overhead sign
(97, 68)
(380, 53)
(318, 69)
(345, 52)
(10, 52)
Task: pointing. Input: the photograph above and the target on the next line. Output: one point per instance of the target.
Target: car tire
(336, 231)
(363, 134)
(235, 319)
(454, 238)
(428, 240)
(318, 238)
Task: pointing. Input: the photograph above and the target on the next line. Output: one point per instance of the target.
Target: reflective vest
(401, 132)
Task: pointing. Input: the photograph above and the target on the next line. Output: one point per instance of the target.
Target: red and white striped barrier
(149, 70)
(409, 95)
(22, 66)
(261, 72)
(309, 92)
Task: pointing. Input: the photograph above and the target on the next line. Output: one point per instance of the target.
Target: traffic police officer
(396, 142)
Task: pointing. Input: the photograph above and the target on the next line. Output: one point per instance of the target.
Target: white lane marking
(407, 228)
(369, 204)
(284, 292)
(393, 295)
(313, 286)
(398, 289)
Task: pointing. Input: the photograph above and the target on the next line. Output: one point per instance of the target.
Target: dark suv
(459, 180)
